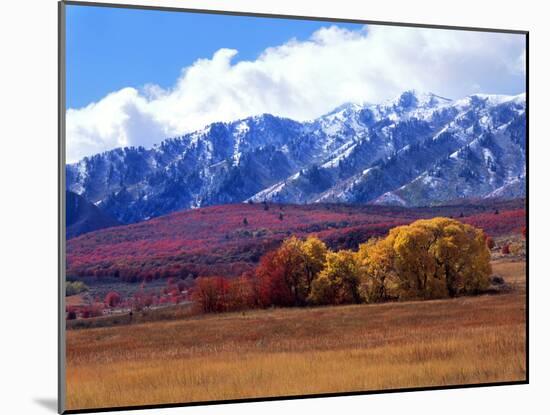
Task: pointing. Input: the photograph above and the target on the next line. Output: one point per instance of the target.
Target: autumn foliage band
(430, 258)
(217, 240)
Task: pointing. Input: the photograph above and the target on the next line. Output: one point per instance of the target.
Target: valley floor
(303, 351)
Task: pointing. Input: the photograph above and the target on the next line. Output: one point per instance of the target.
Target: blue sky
(109, 48)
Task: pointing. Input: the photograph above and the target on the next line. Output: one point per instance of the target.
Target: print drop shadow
(48, 403)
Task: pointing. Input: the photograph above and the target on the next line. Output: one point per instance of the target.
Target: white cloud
(302, 80)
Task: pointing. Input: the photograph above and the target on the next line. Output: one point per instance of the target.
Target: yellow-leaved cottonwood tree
(430, 258)
(338, 282)
(376, 260)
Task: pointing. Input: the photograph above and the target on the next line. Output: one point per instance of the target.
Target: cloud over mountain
(301, 80)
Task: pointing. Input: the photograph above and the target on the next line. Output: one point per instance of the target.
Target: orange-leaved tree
(286, 274)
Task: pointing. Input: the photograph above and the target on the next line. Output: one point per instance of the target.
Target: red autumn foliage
(280, 277)
(490, 242)
(505, 249)
(92, 310)
(272, 288)
(112, 299)
(213, 241)
(506, 222)
(210, 294)
(241, 294)
(219, 294)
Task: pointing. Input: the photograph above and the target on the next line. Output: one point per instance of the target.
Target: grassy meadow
(281, 352)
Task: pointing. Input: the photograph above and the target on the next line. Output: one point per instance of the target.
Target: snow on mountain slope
(417, 149)
(480, 150)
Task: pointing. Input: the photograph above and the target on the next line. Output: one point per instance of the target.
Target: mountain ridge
(417, 149)
(84, 217)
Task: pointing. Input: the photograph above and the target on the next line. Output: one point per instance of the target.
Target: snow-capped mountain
(417, 149)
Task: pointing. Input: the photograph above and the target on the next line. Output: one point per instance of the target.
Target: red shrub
(142, 300)
(210, 294)
(112, 299)
(92, 310)
(241, 293)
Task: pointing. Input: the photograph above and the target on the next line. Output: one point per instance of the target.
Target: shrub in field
(490, 242)
(516, 248)
(112, 299)
(240, 293)
(92, 310)
(75, 287)
(210, 294)
(505, 250)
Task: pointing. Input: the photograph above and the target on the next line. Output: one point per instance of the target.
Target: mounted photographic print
(258, 207)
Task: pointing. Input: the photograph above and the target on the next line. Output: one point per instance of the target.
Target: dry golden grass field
(303, 351)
